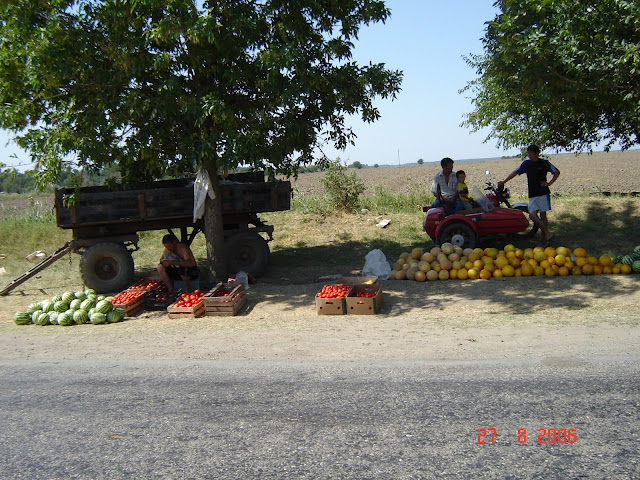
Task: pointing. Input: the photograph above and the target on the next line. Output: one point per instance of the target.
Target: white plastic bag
(375, 264)
(201, 188)
(481, 199)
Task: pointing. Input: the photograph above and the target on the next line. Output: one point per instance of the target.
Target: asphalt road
(356, 420)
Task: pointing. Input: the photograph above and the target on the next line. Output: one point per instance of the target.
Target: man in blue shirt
(536, 169)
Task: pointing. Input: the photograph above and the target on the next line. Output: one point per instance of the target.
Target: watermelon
(68, 297)
(115, 315)
(57, 298)
(75, 304)
(35, 315)
(80, 317)
(61, 306)
(42, 319)
(22, 318)
(87, 304)
(98, 318)
(65, 319)
(635, 266)
(53, 318)
(34, 307)
(90, 291)
(636, 253)
(104, 306)
(80, 295)
(48, 306)
(627, 260)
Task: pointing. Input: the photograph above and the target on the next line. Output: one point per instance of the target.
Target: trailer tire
(248, 252)
(107, 267)
(459, 234)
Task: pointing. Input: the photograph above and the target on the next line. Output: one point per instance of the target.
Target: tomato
(125, 297)
(333, 291)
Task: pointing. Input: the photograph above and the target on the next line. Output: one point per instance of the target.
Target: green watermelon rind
(22, 318)
(65, 319)
(98, 318)
(104, 306)
(635, 266)
(80, 317)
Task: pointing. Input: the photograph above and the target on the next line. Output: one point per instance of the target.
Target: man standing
(177, 263)
(539, 193)
(445, 188)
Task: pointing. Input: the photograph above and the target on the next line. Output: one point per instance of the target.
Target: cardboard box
(332, 306)
(357, 280)
(364, 305)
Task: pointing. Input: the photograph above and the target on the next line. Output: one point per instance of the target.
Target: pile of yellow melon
(451, 262)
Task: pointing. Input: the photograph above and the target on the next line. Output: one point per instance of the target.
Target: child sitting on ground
(463, 190)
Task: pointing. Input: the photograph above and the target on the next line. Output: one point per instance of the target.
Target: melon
(627, 260)
(635, 266)
(104, 306)
(61, 306)
(90, 291)
(68, 297)
(53, 318)
(42, 319)
(80, 317)
(48, 306)
(34, 307)
(57, 298)
(22, 318)
(80, 295)
(75, 304)
(65, 319)
(98, 318)
(87, 304)
(115, 315)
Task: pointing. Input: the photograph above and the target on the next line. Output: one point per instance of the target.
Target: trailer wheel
(459, 234)
(248, 252)
(107, 267)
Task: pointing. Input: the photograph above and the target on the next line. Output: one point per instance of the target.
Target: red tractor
(465, 227)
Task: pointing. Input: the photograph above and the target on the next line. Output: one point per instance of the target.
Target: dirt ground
(559, 320)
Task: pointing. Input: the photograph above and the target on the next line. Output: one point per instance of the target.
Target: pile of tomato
(144, 284)
(189, 299)
(123, 298)
(220, 293)
(365, 294)
(334, 291)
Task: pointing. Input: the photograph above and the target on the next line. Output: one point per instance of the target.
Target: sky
(427, 40)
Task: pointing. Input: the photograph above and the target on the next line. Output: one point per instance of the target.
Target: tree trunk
(214, 228)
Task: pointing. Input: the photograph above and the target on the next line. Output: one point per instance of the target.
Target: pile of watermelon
(71, 308)
(632, 259)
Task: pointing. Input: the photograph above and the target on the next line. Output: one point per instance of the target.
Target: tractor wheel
(247, 251)
(107, 267)
(459, 234)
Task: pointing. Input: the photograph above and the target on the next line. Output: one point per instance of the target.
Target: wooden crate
(131, 307)
(186, 312)
(225, 305)
(230, 307)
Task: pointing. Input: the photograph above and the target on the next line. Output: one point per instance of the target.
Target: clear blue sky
(426, 40)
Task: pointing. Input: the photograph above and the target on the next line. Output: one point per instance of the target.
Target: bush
(343, 187)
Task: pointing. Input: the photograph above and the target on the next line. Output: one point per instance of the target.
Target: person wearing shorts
(537, 169)
(177, 263)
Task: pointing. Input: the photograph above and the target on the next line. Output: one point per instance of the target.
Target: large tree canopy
(562, 73)
(167, 86)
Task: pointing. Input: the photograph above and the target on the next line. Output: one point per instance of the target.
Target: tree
(357, 165)
(167, 87)
(560, 73)
(420, 161)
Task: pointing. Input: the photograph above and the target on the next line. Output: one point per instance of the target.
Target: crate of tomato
(131, 301)
(144, 285)
(331, 299)
(224, 299)
(364, 299)
(187, 305)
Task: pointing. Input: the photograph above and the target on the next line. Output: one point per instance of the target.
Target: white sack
(375, 264)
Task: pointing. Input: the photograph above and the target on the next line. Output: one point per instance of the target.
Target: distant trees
(357, 165)
(420, 161)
